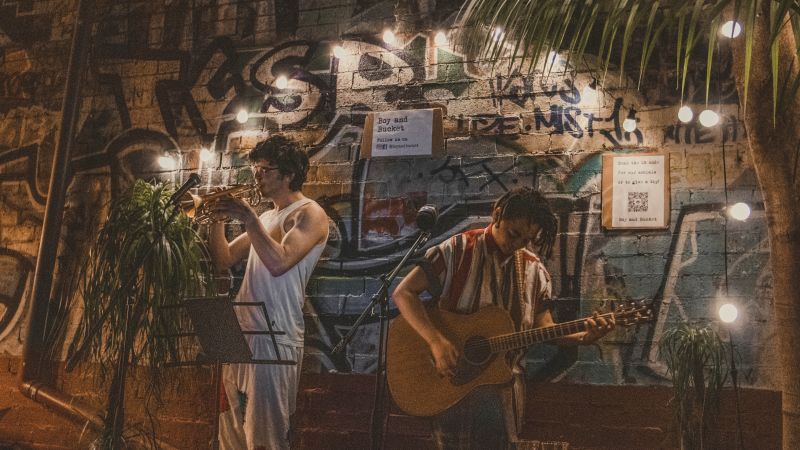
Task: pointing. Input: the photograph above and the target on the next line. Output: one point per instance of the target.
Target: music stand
(221, 340)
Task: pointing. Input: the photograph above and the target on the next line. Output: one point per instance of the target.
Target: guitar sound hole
(477, 351)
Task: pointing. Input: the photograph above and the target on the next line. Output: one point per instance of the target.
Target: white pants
(259, 398)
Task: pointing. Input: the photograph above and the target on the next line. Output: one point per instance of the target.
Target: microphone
(426, 218)
(194, 180)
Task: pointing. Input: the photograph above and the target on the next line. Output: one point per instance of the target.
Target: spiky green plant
(125, 284)
(532, 28)
(696, 362)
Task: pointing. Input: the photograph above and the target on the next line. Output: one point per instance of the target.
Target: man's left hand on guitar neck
(597, 326)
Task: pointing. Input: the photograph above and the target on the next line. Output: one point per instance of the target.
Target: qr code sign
(637, 201)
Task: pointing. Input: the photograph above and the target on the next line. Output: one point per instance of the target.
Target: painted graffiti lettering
(694, 133)
(453, 171)
(492, 124)
(562, 120)
(519, 89)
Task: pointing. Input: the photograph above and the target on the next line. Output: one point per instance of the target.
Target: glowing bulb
(498, 34)
(242, 116)
(730, 29)
(339, 52)
(281, 82)
(206, 155)
(589, 94)
(440, 38)
(739, 211)
(708, 118)
(388, 37)
(728, 313)
(685, 114)
(629, 124)
(167, 163)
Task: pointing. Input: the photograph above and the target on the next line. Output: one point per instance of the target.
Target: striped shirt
(474, 272)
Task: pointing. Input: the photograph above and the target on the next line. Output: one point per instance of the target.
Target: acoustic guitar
(483, 339)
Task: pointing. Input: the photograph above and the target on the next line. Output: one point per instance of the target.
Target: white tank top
(284, 295)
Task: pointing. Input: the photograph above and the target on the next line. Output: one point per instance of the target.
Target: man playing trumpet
(282, 246)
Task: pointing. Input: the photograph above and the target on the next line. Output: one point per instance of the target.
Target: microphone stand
(381, 298)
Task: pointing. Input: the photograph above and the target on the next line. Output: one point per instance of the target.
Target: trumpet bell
(198, 207)
(190, 203)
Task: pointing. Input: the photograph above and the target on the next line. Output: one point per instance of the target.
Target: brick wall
(167, 80)
(334, 412)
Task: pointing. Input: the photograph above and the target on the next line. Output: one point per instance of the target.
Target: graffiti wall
(170, 79)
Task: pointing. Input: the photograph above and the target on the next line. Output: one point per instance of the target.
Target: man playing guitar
(491, 266)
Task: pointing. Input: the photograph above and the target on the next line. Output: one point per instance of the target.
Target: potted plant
(140, 263)
(696, 361)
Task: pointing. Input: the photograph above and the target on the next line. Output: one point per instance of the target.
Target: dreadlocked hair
(525, 203)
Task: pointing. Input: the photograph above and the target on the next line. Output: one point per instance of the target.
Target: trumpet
(198, 207)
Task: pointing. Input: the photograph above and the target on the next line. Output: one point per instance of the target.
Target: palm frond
(532, 28)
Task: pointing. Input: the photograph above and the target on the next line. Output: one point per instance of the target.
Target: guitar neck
(527, 338)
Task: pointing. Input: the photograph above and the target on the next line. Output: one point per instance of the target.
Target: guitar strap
(519, 292)
(516, 394)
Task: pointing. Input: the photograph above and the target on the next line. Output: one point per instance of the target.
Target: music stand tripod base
(222, 340)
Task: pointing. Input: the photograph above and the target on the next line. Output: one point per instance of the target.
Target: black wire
(734, 371)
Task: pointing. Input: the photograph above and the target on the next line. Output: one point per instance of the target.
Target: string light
(440, 38)
(629, 124)
(739, 211)
(708, 118)
(589, 92)
(281, 82)
(730, 29)
(728, 313)
(242, 116)
(552, 57)
(167, 163)
(339, 52)
(388, 36)
(685, 114)
(498, 34)
(206, 155)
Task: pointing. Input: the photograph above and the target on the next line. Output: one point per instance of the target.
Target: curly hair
(526, 203)
(286, 155)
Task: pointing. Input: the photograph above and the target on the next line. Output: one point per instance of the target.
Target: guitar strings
(504, 339)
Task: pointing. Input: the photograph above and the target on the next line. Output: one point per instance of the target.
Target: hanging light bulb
(339, 52)
(167, 163)
(730, 29)
(498, 34)
(739, 211)
(206, 155)
(281, 82)
(552, 57)
(388, 36)
(708, 118)
(728, 313)
(242, 116)
(629, 124)
(589, 92)
(685, 114)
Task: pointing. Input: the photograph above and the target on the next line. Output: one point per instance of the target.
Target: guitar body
(413, 380)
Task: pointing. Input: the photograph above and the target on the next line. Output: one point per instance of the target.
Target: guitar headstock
(633, 313)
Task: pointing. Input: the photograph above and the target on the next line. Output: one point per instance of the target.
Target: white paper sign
(402, 133)
(638, 191)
